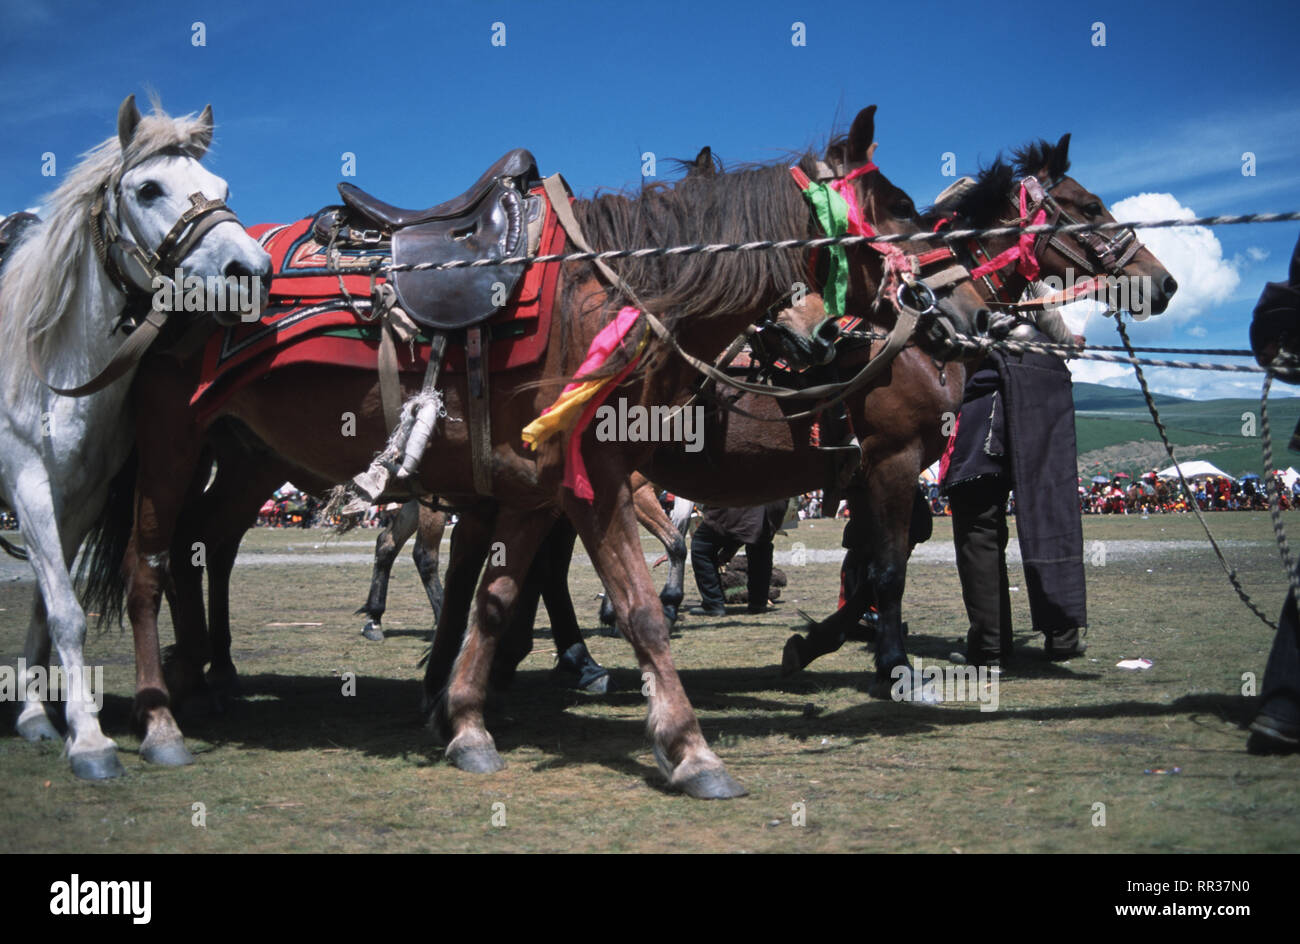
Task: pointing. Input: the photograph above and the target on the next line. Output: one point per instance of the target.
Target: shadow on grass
(296, 713)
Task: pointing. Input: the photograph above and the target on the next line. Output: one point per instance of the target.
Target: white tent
(1289, 477)
(1197, 469)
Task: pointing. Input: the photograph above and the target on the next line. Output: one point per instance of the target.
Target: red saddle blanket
(309, 321)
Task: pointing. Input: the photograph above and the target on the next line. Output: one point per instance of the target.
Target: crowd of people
(1152, 495)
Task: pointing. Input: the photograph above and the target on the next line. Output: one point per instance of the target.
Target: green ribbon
(832, 213)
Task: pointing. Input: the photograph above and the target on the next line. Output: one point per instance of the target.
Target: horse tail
(100, 571)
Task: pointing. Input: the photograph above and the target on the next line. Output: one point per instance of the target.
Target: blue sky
(425, 101)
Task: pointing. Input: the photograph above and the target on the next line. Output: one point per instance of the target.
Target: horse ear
(128, 116)
(1060, 162)
(703, 161)
(861, 135)
(203, 133)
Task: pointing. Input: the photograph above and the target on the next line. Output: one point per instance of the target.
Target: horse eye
(903, 210)
(1092, 209)
(148, 191)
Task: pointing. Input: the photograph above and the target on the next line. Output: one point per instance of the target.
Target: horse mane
(987, 200)
(33, 297)
(743, 204)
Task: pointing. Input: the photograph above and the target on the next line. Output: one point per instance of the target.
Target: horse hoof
(170, 753)
(712, 784)
(792, 658)
(97, 765)
(38, 728)
(475, 758)
(670, 613)
(600, 685)
(373, 631)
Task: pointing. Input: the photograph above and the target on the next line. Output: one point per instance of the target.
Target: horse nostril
(983, 320)
(1169, 285)
(238, 270)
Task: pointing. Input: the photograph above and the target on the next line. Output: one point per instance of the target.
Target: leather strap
(904, 326)
(480, 412)
(127, 356)
(390, 386)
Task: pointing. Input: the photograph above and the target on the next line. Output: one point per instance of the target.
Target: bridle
(1036, 206)
(138, 275)
(903, 282)
(130, 268)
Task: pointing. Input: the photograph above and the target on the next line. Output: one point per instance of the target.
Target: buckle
(921, 293)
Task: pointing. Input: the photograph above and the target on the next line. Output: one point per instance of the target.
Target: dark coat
(1278, 312)
(746, 525)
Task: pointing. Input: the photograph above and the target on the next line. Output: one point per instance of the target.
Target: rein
(908, 318)
(136, 273)
(1037, 207)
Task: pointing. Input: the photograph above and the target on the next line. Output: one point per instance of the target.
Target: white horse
(61, 296)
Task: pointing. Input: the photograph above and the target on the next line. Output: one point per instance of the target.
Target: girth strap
(480, 408)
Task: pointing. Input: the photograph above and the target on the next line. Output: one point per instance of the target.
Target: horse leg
(34, 722)
(650, 515)
(829, 634)
(169, 451)
(886, 505)
(428, 539)
(223, 679)
(517, 641)
(387, 546)
(471, 540)
(608, 530)
(91, 754)
(576, 668)
(459, 715)
(183, 663)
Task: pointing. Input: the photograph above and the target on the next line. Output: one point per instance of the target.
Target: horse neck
(79, 344)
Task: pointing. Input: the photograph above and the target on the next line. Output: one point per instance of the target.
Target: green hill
(1116, 433)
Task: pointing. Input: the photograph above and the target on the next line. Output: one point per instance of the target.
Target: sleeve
(1278, 310)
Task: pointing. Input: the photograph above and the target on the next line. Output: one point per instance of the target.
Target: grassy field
(1115, 433)
(294, 765)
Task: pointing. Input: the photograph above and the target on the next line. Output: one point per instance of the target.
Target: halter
(137, 275)
(129, 267)
(902, 276)
(1036, 206)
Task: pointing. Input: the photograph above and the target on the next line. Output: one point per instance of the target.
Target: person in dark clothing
(1274, 331)
(1016, 431)
(721, 532)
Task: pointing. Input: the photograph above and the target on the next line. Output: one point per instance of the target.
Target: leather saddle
(489, 220)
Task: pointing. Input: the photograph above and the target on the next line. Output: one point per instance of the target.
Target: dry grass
(296, 766)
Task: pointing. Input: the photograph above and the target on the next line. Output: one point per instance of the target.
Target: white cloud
(1256, 254)
(1192, 254)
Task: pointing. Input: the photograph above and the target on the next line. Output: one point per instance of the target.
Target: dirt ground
(295, 764)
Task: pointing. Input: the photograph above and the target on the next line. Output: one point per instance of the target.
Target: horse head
(905, 274)
(1035, 188)
(164, 226)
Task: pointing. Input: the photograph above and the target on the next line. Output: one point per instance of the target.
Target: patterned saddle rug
(310, 320)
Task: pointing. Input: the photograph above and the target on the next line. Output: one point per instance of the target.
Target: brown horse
(993, 200)
(901, 420)
(704, 301)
